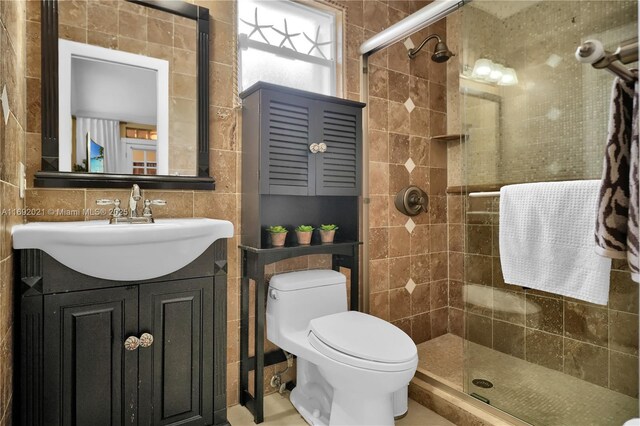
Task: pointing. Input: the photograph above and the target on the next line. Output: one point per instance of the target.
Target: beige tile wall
(595, 343)
(564, 131)
(408, 266)
(12, 151)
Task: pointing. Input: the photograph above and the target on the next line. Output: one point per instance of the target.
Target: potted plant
(304, 233)
(327, 232)
(278, 235)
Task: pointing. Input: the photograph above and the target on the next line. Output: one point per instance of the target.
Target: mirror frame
(51, 177)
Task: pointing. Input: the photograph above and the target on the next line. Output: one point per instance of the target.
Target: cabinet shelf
(279, 253)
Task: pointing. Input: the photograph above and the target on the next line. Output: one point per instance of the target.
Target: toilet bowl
(349, 363)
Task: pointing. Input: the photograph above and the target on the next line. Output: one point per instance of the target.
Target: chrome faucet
(134, 197)
(117, 214)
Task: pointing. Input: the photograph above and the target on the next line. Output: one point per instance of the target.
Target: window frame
(338, 65)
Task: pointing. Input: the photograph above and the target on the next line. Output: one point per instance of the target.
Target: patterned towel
(616, 230)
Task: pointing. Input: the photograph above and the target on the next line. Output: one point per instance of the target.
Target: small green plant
(277, 229)
(305, 228)
(330, 227)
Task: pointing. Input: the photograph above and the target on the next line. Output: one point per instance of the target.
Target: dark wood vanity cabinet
(75, 370)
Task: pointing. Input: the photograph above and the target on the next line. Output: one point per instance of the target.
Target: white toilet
(349, 364)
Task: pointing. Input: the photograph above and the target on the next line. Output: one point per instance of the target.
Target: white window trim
(340, 37)
(338, 67)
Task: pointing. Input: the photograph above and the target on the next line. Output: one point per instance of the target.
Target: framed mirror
(128, 101)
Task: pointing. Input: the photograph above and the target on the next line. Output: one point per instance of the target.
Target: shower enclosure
(519, 108)
(541, 357)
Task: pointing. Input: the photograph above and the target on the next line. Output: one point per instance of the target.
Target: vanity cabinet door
(287, 166)
(176, 371)
(89, 378)
(338, 169)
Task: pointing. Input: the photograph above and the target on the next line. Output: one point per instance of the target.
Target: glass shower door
(545, 358)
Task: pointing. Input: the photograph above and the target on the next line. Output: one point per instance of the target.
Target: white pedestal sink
(123, 252)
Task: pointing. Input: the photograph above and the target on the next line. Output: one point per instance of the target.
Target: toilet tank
(295, 298)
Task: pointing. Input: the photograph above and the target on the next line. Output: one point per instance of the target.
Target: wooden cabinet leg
(244, 339)
(259, 347)
(355, 276)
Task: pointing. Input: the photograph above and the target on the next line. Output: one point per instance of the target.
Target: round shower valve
(411, 200)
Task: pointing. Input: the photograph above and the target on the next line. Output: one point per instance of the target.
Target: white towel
(546, 239)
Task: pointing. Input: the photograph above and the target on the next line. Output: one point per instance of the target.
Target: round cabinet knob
(146, 340)
(314, 148)
(132, 343)
(322, 147)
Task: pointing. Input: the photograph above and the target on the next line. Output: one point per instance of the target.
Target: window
(141, 155)
(291, 44)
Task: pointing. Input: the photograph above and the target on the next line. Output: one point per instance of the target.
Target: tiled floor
(535, 394)
(280, 412)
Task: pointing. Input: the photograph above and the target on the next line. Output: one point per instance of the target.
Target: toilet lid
(364, 336)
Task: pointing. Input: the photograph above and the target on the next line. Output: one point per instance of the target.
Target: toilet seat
(362, 340)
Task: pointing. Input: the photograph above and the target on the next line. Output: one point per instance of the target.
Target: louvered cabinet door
(338, 169)
(287, 166)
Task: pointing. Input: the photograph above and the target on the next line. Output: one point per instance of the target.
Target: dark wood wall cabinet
(301, 162)
(100, 352)
(301, 165)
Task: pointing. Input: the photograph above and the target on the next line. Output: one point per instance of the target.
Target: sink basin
(123, 252)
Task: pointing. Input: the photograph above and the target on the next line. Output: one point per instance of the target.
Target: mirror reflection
(128, 97)
(116, 106)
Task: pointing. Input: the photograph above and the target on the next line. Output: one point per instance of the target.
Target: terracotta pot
(277, 240)
(304, 238)
(327, 236)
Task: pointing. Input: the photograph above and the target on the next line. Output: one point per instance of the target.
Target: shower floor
(535, 394)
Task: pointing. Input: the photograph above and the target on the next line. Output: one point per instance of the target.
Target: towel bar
(593, 52)
(484, 194)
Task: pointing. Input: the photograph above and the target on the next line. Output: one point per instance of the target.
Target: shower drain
(482, 383)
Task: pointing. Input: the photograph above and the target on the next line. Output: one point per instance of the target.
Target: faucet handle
(117, 211)
(147, 207)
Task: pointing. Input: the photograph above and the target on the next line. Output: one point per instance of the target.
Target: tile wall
(407, 105)
(12, 152)
(595, 343)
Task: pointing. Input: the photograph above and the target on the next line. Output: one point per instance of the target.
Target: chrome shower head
(440, 54)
